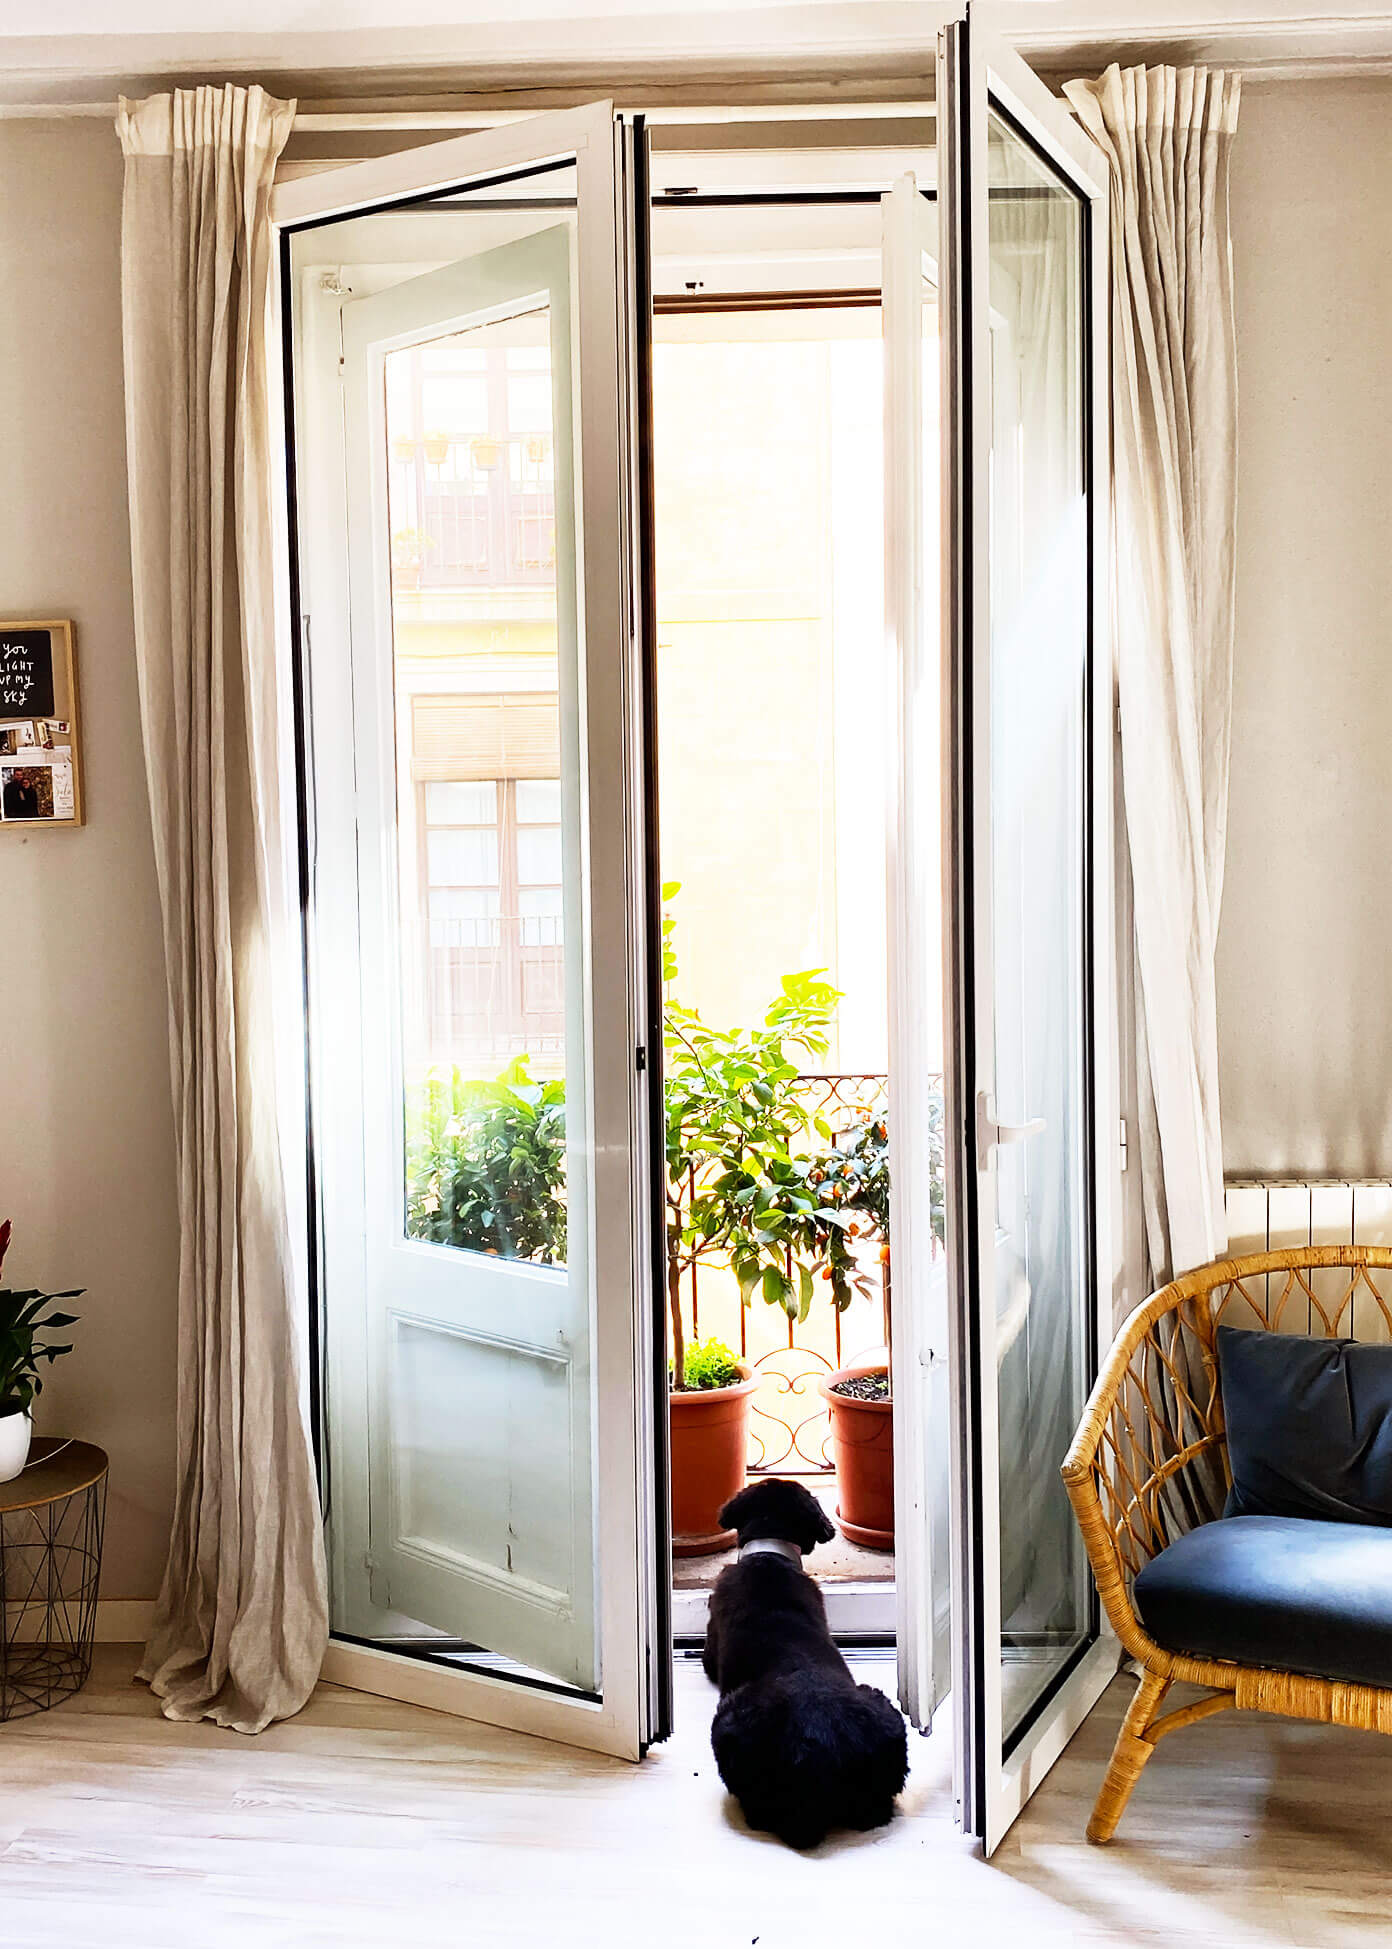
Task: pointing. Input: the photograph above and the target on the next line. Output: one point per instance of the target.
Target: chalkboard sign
(40, 751)
(26, 673)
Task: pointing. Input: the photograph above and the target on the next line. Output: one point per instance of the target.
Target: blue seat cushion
(1309, 1425)
(1284, 1592)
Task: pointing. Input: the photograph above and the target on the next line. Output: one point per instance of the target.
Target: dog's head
(777, 1508)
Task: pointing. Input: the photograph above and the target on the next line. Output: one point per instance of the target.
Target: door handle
(990, 1133)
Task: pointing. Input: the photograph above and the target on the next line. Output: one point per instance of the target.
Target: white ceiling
(70, 51)
(183, 19)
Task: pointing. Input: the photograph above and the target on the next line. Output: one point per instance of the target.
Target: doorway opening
(774, 683)
(490, 1126)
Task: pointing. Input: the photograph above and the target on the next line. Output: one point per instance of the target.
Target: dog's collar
(771, 1546)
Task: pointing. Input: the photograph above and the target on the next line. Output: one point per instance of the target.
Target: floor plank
(368, 1823)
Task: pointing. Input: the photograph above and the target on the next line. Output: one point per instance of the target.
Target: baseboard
(124, 1620)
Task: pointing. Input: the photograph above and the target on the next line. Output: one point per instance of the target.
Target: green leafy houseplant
(485, 1164)
(710, 1363)
(20, 1349)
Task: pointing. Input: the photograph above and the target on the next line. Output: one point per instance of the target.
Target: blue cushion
(1309, 1426)
(1278, 1591)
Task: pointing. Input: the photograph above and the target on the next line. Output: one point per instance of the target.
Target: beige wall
(1305, 953)
(86, 1159)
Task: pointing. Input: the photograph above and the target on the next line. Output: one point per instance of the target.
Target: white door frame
(974, 74)
(633, 1659)
(916, 1023)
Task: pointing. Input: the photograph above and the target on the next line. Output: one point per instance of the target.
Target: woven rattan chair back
(1150, 1461)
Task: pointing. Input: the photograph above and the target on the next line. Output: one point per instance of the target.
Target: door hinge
(641, 1058)
(1122, 1140)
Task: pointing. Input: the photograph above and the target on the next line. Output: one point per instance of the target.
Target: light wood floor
(367, 1823)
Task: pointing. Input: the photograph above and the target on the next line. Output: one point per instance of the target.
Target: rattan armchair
(1150, 1461)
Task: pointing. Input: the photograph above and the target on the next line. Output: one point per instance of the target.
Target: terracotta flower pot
(710, 1447)
(862, 1446)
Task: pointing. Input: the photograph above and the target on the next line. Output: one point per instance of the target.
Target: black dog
(800, 1745)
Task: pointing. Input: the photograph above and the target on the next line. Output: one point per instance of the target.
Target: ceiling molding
(1272, 47)
(855, 50)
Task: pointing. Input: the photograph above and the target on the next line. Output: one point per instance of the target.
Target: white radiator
(1268, 1216)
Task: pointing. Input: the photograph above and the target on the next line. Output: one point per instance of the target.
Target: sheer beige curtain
(241, 1621)
(1167, 134)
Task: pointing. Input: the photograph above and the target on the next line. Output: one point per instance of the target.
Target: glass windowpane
(459, 803)
(538, 855)
(463, 857)
(1039, 648)
(538, 801)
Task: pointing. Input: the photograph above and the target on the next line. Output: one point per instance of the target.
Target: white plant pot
(16, 1432)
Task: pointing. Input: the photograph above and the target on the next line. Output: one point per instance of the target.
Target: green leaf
(804, 1292)
(778, 1289)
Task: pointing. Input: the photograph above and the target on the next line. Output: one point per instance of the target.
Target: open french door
(919, 1293)
(467, 333)
(1030, 1090)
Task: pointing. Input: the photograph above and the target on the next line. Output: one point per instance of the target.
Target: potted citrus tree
(737, 1190)
(20, 1354)
(859, 1398)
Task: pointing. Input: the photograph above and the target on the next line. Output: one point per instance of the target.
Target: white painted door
(467, 323)
(481, 1503)
(919, 1293)
(1031, 1091)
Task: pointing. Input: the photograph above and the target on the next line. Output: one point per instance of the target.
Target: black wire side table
(51, 1521)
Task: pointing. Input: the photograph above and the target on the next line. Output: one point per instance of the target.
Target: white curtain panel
(1167, 134)
(241, 1622)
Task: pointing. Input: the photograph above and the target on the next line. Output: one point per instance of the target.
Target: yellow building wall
(746, 727)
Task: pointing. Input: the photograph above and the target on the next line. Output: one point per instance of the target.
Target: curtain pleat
(1167, 135)
(241, 1621)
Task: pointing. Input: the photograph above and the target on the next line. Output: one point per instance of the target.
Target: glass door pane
(1030, 1085)
(1038, 542)
(459, 404)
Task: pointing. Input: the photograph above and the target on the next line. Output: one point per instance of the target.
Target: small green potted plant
(710, 1444)
(20, 1354)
